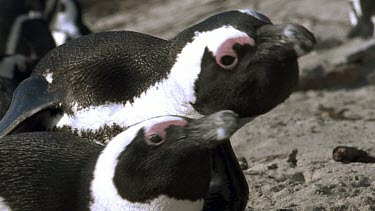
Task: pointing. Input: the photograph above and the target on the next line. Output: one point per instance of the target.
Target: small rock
(292, 158)
(346, 154)
(298, 177)
(273, 166)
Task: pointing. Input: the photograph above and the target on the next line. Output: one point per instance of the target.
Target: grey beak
(295, 36)
(218, 126)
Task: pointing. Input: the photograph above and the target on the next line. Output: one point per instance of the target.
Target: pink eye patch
(159, 129)
(226, 57)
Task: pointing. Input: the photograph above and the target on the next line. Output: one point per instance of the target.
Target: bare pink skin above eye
(159, 128)
(226, 49)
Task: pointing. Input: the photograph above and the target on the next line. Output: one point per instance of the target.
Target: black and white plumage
(362, 17)
(159, 164)
(97, 85)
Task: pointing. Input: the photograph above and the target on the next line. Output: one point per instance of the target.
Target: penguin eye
(156, 134)
(227, 62)
(155, 139)
(226, 57)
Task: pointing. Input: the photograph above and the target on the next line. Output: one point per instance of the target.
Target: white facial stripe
(104, 192)
(218, 36)
(3, 206)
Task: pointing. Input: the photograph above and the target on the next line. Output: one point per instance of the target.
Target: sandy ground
(312, 122)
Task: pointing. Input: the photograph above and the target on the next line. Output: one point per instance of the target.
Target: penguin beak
(29, 98)
(213, 129)
(293, 36)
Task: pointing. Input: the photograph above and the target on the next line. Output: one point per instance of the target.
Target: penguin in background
(97, 85)
(159, 164)
(65, 20)
(362, 18)
(25, 35)
(23, 32)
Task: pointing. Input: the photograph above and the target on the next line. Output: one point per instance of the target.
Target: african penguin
(162, 163)
(66, 21)
(97, 85)
(23, 29)
(362, 17)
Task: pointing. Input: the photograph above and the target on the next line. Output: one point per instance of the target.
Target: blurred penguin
(65, 20)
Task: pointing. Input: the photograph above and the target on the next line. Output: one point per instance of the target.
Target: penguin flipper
(228, 187)
(29, 98)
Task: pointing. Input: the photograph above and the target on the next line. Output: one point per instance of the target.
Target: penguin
(23, 29)
(362, 18)
(65, 21)
(97, 85)
(162, 163)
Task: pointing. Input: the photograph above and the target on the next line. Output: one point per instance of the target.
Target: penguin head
(239, 60)
(162, 156)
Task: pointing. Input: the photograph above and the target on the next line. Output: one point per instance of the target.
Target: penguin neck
(105, 194)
